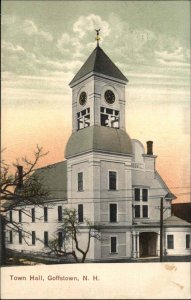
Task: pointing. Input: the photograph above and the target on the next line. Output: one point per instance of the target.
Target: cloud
(132, 49)
(7, 19)
(133, 46)
(30, 28)
(59, 65)
(77, 45)
(176, 58)
(10, 47)
(90, 23)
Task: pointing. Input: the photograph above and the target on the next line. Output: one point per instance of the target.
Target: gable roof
(99, 62)
(54, 178)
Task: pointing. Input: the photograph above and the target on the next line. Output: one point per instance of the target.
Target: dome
(99, 138)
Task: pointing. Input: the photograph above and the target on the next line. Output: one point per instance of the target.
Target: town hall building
(109, 178)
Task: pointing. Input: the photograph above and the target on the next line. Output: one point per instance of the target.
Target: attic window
(109, 117)
(83, 118)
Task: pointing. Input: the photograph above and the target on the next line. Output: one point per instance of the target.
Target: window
(10, 216)
(33, 214)
(170, 241)
(59, 213)
(83, 118)
(20, 215)
(141, 195)
(187, 241)
(20, 237)
(113, 244)
(80, 213)
(137, 211)
(33, 237)
(46, 238)
(80, 181)
(113, 212)
(137, 194)
(45, 214)
(60, 239)
(109, 117)
(112, 180)
(145, 211)
(10, 237)
(145, 195)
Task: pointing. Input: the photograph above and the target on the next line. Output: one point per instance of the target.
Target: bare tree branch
(71, 232)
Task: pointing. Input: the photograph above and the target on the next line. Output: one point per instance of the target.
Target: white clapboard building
(106, 176)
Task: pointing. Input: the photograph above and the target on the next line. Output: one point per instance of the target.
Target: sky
(44, 43)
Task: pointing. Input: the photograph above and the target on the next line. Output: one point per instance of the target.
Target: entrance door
(147, 243)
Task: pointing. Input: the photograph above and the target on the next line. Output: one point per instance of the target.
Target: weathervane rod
(97, 37)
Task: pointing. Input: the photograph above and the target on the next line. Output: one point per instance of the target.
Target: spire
(97, 37)
(98, 63)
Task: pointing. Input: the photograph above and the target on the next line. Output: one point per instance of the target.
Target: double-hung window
(80, 213)
(113, 244)
(145, 195)
(20, 215)
(170, 241)
(113, 212)
(33, 214)
(10, 236)
(60, 239)
(11, 216)
(33, 237)
(112, 180)
(137, 211)
(45, 214)
(137, 194)
(45, 238)
(59, 213)
(20, 237)
(80, 181)
(187, 241)
(145, 211)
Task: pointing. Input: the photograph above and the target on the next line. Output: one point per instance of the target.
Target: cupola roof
(99, 62)
(99, 139)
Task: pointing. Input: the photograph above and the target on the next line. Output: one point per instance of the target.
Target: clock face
(109, 97)
(83, 98)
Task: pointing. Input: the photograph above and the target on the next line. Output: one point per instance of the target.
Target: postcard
(95, 179)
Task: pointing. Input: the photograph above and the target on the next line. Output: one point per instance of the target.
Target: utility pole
(161, 229)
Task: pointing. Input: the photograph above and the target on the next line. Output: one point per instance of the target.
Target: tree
(72, 229)
(25, 188)
(22, 187)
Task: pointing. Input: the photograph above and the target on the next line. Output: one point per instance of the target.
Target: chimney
(149, 147)
(20, 176)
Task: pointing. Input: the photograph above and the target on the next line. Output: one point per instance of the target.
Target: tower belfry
(98, 92)
(98, 106)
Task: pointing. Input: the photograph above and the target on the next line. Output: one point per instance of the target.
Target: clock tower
(98, 93)
(99, 151)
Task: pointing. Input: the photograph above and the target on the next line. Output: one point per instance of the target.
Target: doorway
(148, 244)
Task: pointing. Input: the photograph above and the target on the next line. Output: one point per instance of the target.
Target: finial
(97, 37)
